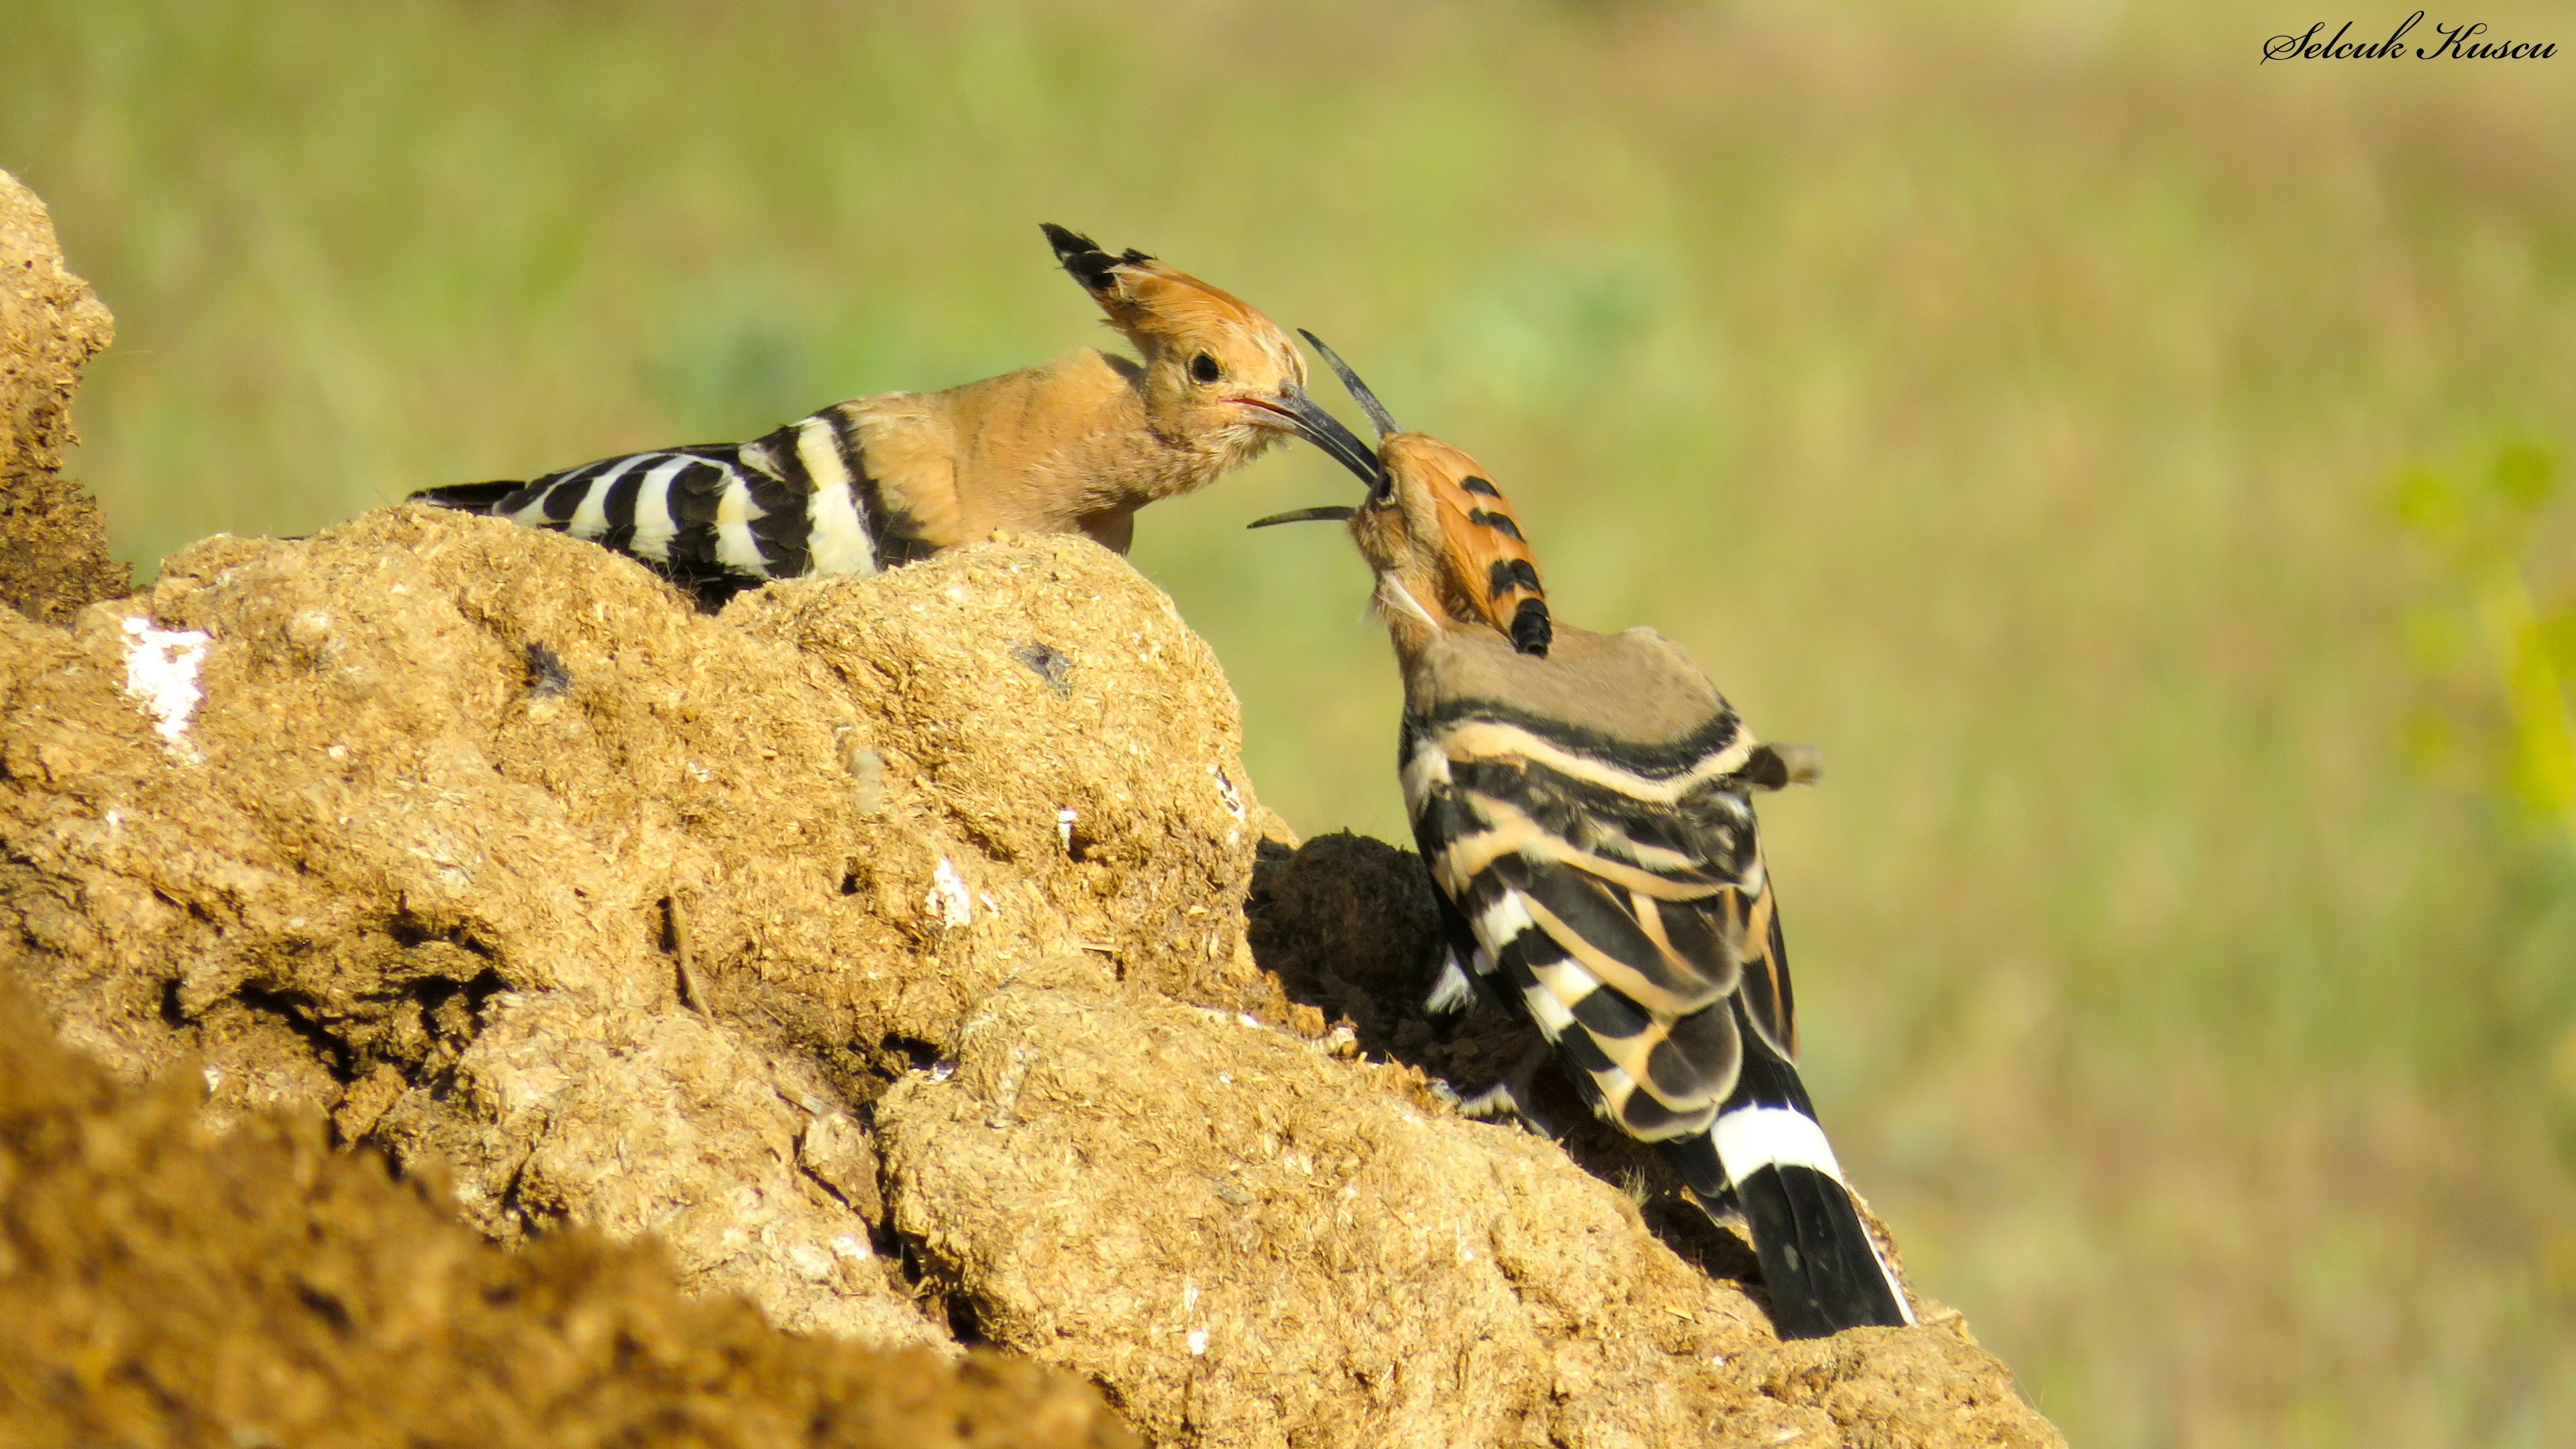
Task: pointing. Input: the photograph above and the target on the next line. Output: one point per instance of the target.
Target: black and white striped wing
(795, 502)
(1617, 895)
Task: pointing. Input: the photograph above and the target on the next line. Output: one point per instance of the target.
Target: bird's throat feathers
(1410, 623)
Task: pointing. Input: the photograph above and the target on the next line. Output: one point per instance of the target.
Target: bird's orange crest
(1142, 294)
(1488, 559)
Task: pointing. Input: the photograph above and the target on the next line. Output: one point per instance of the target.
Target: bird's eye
(1204, 368)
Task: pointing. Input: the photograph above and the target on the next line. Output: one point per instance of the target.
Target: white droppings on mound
(948, 896)
(161, 674)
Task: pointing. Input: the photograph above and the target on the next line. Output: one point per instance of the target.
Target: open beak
(1309, 420)
(1359, 391)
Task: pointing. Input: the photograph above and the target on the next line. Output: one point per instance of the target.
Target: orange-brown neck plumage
(1072, 446)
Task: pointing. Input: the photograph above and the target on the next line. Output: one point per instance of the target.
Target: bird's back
(1632, 701)
(1588, 816)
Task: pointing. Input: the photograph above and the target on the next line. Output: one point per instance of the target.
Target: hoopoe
(1074, 446)
(1584, 803)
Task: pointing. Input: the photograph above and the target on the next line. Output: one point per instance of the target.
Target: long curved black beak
(1325, 513)
(1359, 391)
(1311, 422)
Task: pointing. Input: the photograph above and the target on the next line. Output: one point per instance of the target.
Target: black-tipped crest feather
(1081, 256)
(1532, 631)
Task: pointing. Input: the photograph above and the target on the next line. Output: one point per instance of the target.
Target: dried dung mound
(879, 947)
(158, 1287)
(53, 553)
(487, 843)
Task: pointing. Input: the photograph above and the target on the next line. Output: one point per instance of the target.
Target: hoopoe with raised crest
(1074, 446)
(1584, 803)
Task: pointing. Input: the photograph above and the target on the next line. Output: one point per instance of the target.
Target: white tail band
(1752, 1138)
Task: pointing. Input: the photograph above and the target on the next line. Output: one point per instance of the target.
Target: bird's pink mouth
(1267, 406)
(1299, 414)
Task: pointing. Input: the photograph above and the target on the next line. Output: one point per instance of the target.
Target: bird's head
(1219, 377)
(1444, 544)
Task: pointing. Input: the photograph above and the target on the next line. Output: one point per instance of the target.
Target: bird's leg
(1516, 1095)
(1452, 990)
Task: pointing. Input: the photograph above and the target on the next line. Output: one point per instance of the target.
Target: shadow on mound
(1348, 924)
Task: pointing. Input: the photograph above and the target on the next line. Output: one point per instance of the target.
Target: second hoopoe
(1584, 803)
(1074, 446)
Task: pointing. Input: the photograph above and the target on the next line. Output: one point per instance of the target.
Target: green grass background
(2002, 396)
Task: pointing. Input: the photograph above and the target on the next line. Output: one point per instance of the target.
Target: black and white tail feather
(721, 516)
(1615, 892)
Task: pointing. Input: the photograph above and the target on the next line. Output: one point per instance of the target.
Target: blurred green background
(2017, 400)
